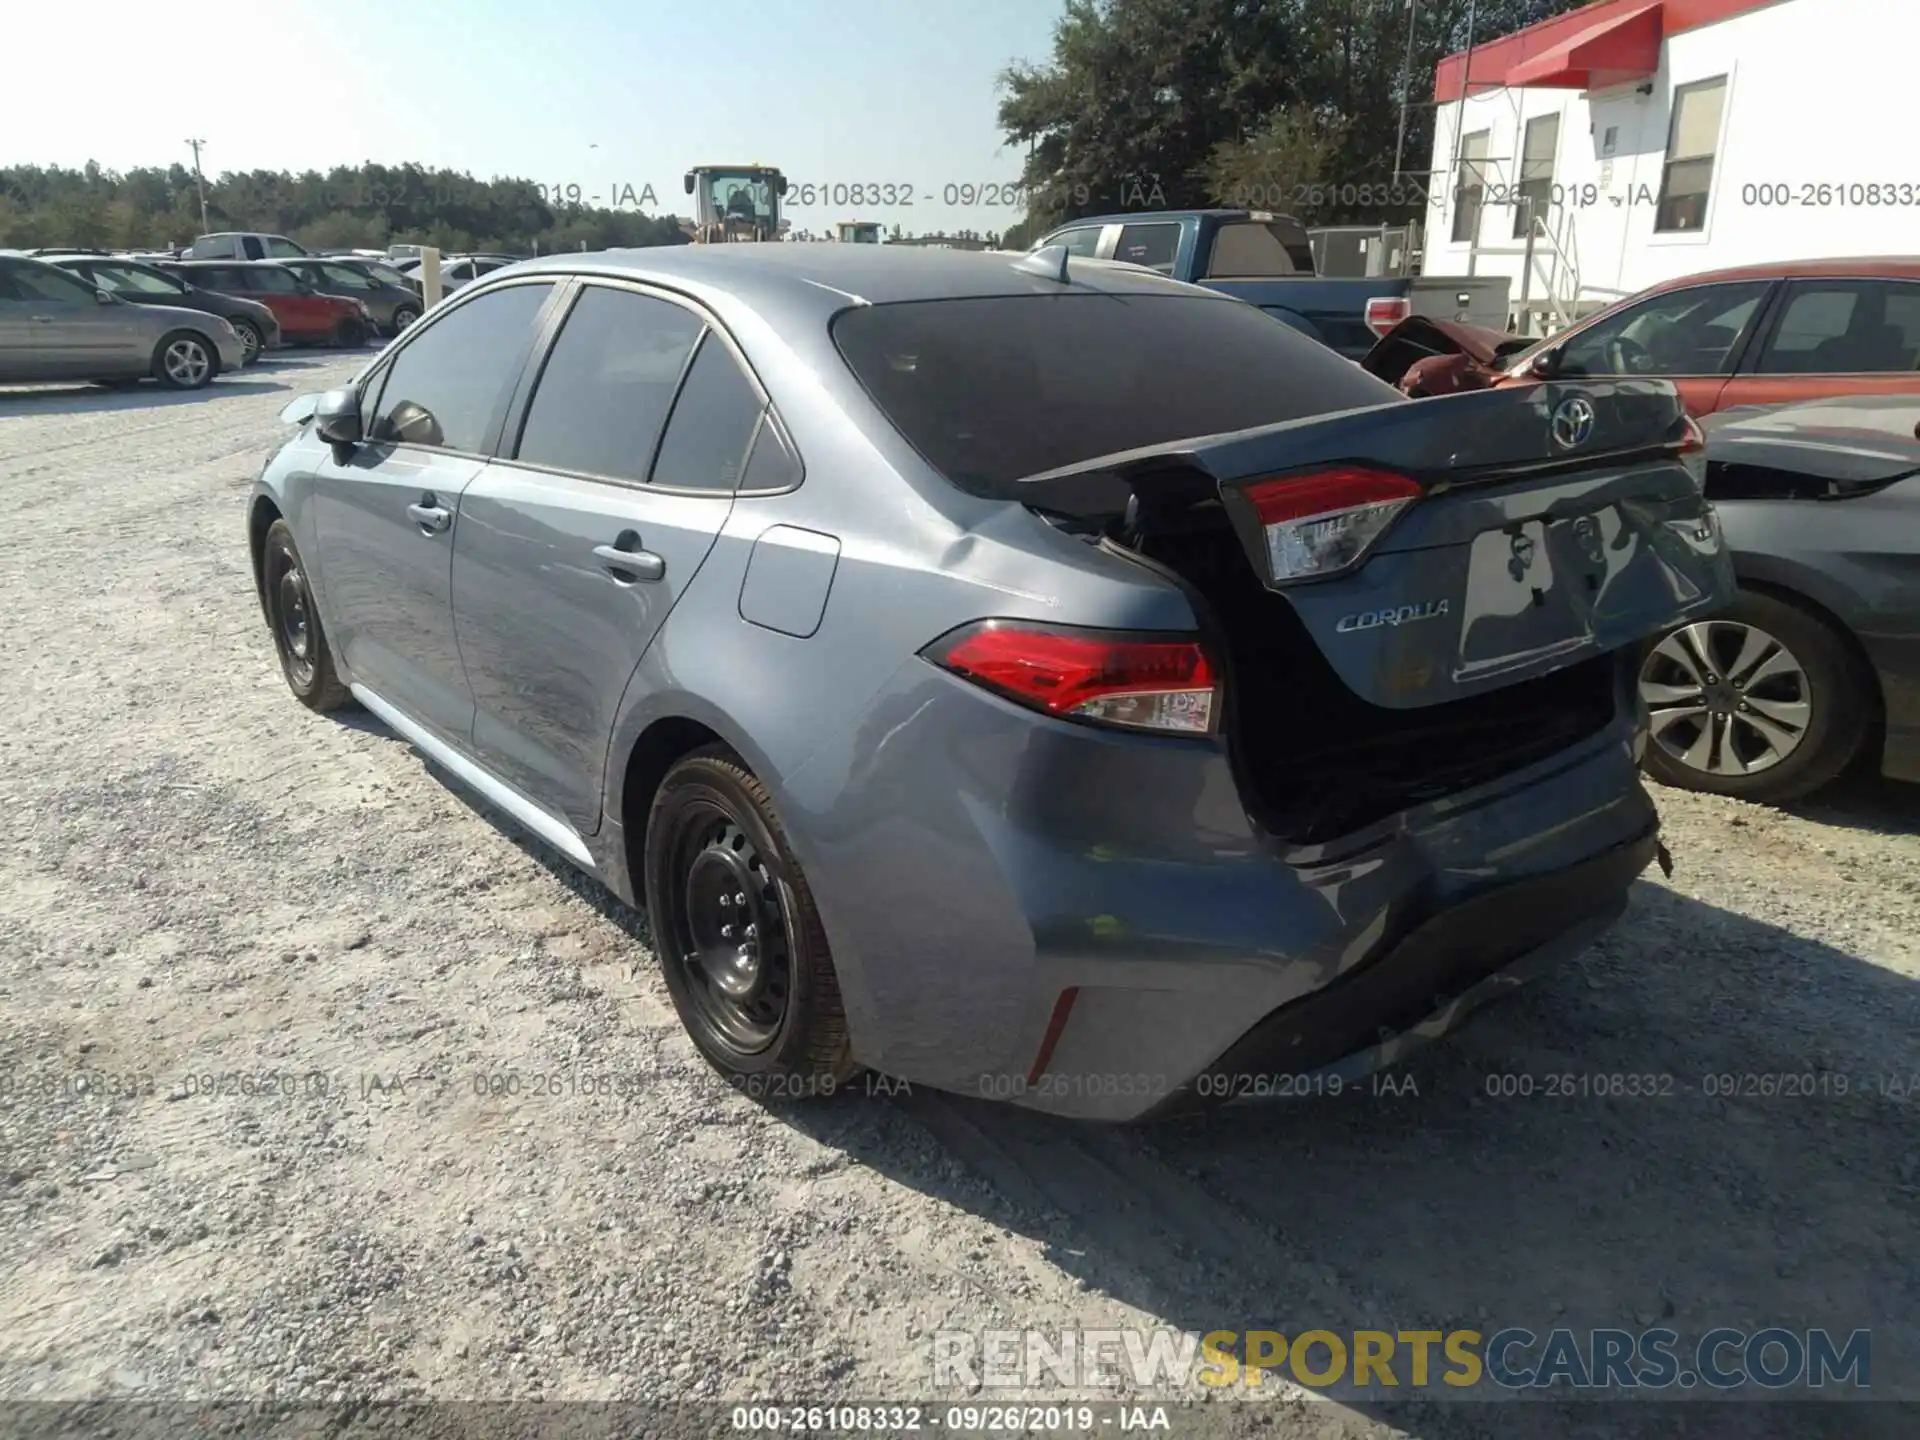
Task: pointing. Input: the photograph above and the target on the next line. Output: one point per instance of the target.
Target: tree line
(1290, 105)
(365, 206)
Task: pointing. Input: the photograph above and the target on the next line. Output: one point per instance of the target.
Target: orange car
(1757, 335)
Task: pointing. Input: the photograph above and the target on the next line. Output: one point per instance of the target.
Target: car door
(385, 512)
(16, 329)
(1692, 335)
(575, 545)
(300, 313)
(1834, 337)
(74, 332)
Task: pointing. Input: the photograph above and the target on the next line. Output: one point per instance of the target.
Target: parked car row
(56, 326)
(956, 601)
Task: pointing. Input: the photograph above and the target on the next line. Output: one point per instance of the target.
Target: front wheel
(404, 316)
(741, 944)
(251, 341)
(184, 361)
(305, 657)
(1764, 702)
(349, 335)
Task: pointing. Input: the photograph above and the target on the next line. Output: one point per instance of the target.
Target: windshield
(741, 194)
(991, 390)
(134, 280)
(343, 277)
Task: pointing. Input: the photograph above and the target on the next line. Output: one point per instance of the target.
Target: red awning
(1613, 52)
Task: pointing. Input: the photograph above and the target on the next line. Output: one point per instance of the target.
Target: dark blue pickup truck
(1265, 260)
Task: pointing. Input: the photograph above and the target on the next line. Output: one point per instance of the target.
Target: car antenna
(1048, 262)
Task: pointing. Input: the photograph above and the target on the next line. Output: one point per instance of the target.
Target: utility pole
(1406, 92)
(200, 183)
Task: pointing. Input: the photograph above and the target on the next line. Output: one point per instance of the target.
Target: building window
(1536, 172)
(1471, 187)
(1691, 143)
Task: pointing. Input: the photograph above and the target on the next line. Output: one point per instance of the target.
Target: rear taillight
(1321, 523)
(1108, 677)
(1386, 311)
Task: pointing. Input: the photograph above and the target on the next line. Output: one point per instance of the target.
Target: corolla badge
(1392, 615)
(1572, 423)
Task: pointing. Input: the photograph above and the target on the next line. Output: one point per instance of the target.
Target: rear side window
(772, 465)
(991, 390)
(713, 420)
(608, 384)
(1845, 327)
(1150, 245)
(446, 384)
(273, 280)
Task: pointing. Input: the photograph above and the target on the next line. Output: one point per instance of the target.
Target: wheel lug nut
(739, 899)
(726, 932)
(751, 931)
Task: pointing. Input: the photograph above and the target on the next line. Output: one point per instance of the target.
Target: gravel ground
(199, 880)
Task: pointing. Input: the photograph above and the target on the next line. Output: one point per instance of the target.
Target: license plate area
(1546, 589)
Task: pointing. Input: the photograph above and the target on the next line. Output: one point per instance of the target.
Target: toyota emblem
(1572, 423)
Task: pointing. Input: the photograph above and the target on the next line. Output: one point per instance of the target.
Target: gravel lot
(198, 878)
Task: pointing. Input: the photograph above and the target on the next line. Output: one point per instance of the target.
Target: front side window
(1683, 332)
(339, 277)
(713, 420)
(608, 384)
(1845, 327)
(446, 385)
(1470, 192)
(1692, 140)
(279, 246)
(1082, 240)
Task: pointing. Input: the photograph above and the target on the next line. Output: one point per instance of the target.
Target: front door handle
(629, 565)
(41, 319)
(430, 517)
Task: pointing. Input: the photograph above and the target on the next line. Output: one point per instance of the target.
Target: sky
(611, 95)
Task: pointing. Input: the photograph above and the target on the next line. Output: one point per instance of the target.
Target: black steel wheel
(740, 941)
(294, 620)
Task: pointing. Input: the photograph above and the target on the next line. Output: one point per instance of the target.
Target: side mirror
(783, 184)
(1546, 364)
(336, 417)
(686, 181)
(105, 297)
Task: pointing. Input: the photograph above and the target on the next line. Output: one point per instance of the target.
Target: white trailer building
(1635, 141)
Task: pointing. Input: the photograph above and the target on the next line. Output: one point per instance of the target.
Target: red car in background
(306, 315)
(1758, 335)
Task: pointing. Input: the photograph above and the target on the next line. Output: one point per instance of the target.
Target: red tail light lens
(1108, 677)
(1386, 311)
(1325, 522)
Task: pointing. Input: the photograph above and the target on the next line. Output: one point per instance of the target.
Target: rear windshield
(992, 390)
(1254, 249)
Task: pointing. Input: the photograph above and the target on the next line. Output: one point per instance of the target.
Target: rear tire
(184, 360)
(349, 335)
(1808, 700)
(294, 620)
(740, 941)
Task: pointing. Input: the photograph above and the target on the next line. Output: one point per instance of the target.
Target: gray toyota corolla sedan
(1026, 677)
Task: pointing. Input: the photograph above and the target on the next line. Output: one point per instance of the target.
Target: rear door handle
(636, 563)
(429, 517)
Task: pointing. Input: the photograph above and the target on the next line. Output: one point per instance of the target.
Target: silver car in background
(55, 326)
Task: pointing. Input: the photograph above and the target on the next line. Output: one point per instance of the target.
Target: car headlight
(226, 327)
(365, 314)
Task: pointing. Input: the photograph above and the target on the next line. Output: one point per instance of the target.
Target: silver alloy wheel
(249, 341)
(1726, 698)
(186, 363)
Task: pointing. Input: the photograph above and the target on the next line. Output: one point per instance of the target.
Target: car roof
(824, 277)
(1864, 267)
(216, 263)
